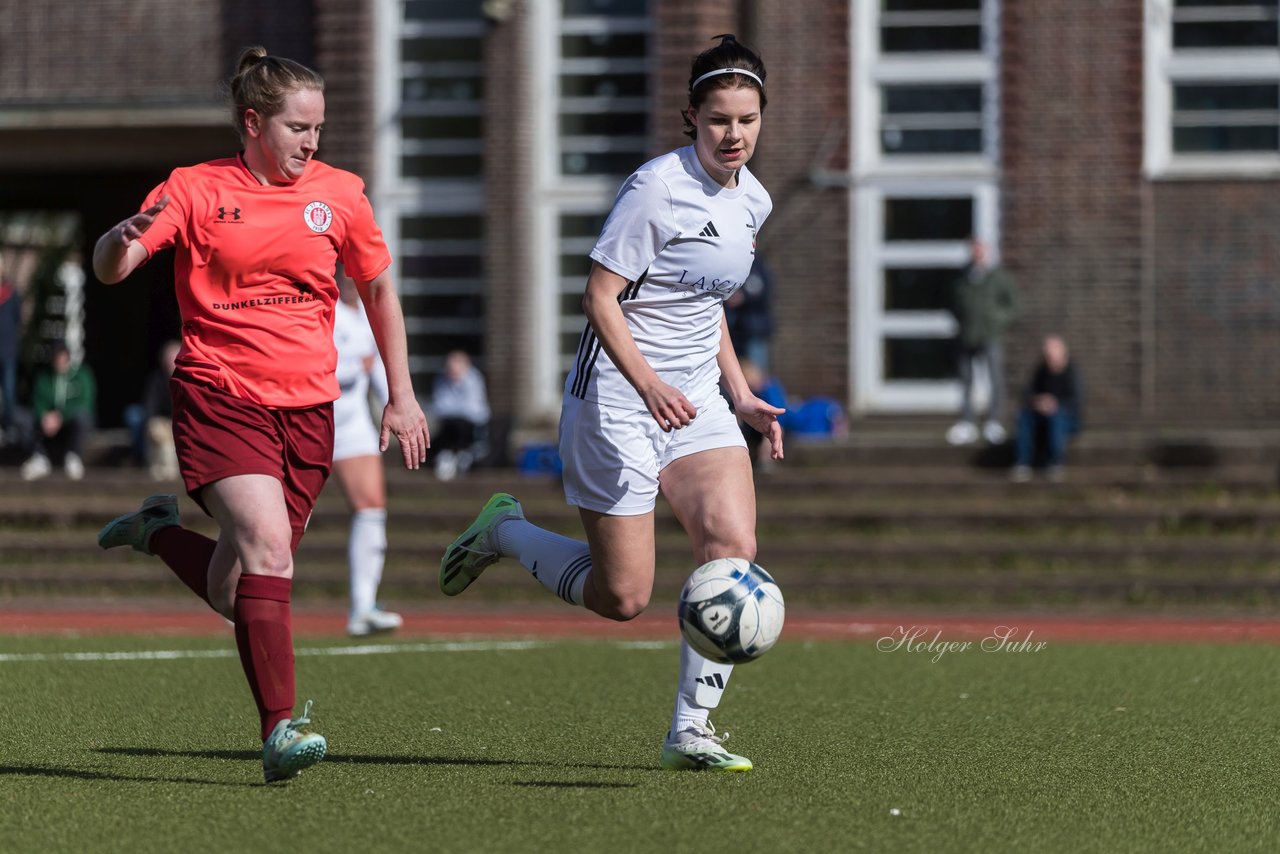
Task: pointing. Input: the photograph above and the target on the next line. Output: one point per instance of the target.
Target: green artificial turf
(554, 748)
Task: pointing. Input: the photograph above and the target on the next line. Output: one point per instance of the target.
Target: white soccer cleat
(375, 621)
(962, 433)
(698, 748)
(36, 467)
(290, 749)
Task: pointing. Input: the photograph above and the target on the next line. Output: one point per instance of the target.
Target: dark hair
(730, 53)
(262, 82)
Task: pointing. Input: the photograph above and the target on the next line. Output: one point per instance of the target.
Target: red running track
(168, 618)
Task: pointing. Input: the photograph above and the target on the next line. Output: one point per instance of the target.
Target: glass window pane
(920, 39)
(441, 166)
(443, 89)
(441, 50)
(1202, 34)
(1226, 96)
(919, 289)
(600, 163)
(1226, 138)
(442, 10)
(931, 5)
(443, 266)
(603, 124)
(570, 306)
(456, 227)
(919, 359)
(960, 141)
(612, 8)
(582, 225)
(603, 45)
(444, 305)
(603, 85)
(442, 127)
(931, 99)
(575, 265)
(928, 219)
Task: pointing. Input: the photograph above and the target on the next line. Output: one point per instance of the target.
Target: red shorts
(218, 435)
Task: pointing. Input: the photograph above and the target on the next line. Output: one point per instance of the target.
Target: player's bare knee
(621, 608)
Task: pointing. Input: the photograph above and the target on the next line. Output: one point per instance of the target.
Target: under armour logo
(222, 213)
(709, 230)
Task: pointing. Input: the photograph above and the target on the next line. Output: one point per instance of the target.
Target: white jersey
(354, 433)
(684, 243)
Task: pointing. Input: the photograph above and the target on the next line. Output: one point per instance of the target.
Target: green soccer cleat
(288, 749)
(698, 749)
(471, 553)
(136, 528)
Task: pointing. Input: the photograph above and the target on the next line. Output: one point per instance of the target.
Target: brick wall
(1217, 309)
(344, 53)
(1071, 81)
(140, 51)
(509, 106)
(804, 45)
(684, 30)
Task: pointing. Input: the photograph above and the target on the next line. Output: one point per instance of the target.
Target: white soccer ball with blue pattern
(731, 610)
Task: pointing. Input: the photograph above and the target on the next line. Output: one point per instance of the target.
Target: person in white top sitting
(460, 407)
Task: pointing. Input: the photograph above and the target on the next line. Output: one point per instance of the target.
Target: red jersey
(254, 274)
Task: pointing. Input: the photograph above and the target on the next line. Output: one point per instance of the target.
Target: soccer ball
(731, 610)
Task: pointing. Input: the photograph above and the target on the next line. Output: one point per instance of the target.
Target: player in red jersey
(257, 239)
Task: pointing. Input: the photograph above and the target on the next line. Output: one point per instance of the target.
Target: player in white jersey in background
(357, 462)
(642, 410)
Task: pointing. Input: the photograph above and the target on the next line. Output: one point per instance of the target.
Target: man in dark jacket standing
(984, 305)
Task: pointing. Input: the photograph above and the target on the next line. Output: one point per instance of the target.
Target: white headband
(720, 71)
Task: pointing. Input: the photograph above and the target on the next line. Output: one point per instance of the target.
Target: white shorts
(612, 457)
(354, 434)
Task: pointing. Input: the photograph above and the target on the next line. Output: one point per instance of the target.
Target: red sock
(264, 635)
(188, 554)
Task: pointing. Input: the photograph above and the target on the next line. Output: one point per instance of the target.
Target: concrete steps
(845, 523)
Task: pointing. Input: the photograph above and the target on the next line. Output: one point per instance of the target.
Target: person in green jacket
(984, 304)
(63, 400)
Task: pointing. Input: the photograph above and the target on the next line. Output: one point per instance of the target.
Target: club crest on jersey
(318, 217)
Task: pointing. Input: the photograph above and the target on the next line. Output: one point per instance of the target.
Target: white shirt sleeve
(641, 223)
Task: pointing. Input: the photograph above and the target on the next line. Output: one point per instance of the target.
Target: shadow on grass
(82, 774)
(362, 759)
(559, 784)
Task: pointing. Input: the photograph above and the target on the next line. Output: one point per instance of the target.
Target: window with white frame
(926, 150)
(600, 75)
(1212, 87)
(438, 195)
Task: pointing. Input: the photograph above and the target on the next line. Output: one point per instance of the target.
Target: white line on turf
(362, 649)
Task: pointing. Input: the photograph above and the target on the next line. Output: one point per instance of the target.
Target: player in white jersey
(642, 412)
(357, 462)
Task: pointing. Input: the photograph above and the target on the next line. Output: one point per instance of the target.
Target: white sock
(702, 684)
(559, 563)
(366, 552)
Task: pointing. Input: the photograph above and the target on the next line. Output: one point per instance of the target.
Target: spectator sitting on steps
(63, 403)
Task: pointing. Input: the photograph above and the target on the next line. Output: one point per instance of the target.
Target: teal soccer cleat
(699, 749)
(288, 749)
(136, 528)
(469, 555)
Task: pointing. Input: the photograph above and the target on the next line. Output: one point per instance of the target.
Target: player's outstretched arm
(402, 415)
(117, 252)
